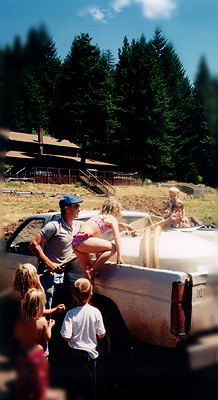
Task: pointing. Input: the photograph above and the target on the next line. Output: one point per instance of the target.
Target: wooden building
(29, 150)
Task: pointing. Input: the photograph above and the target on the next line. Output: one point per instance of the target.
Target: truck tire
(120, 339)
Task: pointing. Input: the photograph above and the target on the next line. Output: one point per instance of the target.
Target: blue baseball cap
(68, 199)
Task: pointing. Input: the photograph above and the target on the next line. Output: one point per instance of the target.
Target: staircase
(19, 176)
(96, 185)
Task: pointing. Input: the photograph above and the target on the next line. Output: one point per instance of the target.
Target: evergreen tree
(207, 95)
(36, 105)
(15, 65)
(85, 110)
(203, 151)
(143, 109)
(181, 103)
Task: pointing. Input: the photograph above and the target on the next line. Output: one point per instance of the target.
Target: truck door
(17, 251)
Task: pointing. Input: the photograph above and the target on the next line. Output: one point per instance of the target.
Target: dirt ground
(26, 199)
(152, 205)
(135, 203)
(143, 203)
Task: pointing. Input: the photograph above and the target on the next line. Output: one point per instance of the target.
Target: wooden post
(40, 139)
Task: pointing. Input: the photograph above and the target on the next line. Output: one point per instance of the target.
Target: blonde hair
(111, 206)
(25, 278)
(33, 304)
(82, 289)
(174, 190)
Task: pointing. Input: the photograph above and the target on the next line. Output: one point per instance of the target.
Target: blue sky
(190, 25)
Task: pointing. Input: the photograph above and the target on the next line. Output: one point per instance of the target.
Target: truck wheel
(120, 339)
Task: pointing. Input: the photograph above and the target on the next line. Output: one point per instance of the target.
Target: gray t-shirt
(58, 245)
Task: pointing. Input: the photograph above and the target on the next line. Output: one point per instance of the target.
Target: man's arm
(35, 247)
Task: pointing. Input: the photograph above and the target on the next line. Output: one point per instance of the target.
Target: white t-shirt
(80, 326)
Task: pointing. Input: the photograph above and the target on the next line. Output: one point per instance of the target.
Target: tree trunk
(83, 154)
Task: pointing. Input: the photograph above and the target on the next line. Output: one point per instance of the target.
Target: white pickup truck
(156, 293)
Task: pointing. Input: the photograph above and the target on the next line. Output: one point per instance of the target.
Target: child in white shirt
(82, 326)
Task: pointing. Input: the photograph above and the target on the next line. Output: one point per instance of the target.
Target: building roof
(18, 154)
(88, 160)
(23, 155)
(31, 138)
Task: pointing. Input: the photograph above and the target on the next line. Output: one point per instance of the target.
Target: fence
(67, 176)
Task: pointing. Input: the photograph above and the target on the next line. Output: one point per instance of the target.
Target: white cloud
(155, 9)
(97, 15)
(100, 14)
(152, 9)
(118, 4)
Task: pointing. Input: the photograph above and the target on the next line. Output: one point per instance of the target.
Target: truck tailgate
(143, 297)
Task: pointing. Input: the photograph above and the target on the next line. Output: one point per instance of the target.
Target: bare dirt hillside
(31, 199)
(143, 203)
(137, 203)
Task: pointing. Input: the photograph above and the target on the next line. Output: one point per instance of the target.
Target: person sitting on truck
(176, 220)
(173, 196)
(88, 240)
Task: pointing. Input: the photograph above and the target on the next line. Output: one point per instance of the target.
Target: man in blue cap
(57, 238)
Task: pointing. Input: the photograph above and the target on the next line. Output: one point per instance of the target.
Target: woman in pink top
(88, 240)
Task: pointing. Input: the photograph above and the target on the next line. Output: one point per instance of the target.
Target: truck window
(56, 217)
(20, 242)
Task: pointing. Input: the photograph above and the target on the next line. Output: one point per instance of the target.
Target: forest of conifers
(142, 113)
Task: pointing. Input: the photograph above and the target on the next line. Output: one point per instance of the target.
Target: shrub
(147, 182)
(78, 184)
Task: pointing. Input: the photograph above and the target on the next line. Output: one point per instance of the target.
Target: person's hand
(61, 308)
(129, 228)
(53, 267)
(175, 215)
(126, 227)
(51, 323)
(120, 260)
(184, 222)
(58, 268)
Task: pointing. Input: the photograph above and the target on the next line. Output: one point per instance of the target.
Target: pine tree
(207, 97)
(181, 103)
(85, 109)
(15, 65)
(36, 105)
(143, 109)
